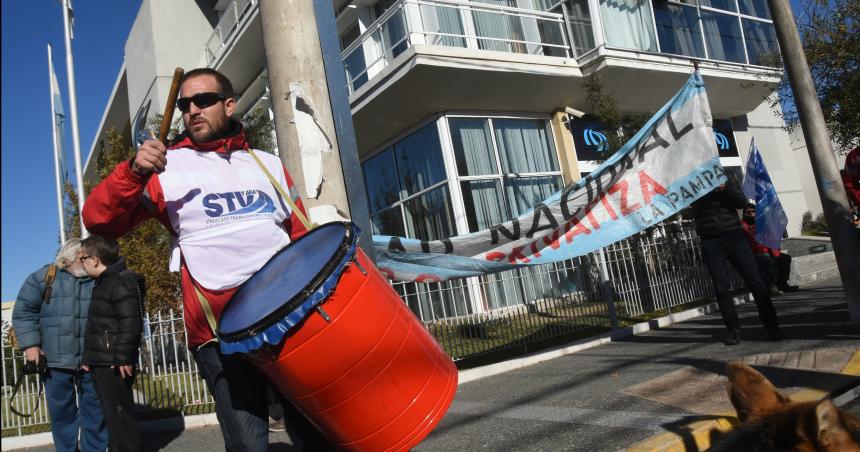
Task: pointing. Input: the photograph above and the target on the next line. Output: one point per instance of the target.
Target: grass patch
(172, 395)
(479, 342)
(27, 430)
(521, 328)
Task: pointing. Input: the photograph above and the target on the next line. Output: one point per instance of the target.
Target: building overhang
(428, 79)
(425, 80)
(116, 116)
(643, 82)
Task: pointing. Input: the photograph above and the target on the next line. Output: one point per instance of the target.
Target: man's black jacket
(115, 321)
(717, 212)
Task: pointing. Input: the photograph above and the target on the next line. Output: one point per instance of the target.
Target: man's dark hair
(224, 85)
(107, 250)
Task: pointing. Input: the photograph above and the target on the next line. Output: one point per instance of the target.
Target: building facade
(460, 107)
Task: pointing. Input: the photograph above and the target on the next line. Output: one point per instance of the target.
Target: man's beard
(211, 134)
(78, 272)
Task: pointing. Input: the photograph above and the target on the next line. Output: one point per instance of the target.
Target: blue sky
(30, 225)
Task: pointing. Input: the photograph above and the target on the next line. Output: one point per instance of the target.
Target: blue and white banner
(668, 164)
(770, 218)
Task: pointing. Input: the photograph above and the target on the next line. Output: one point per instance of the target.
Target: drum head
(277, 288)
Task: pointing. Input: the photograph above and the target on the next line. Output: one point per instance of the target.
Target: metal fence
(167, 381)
(654, 270)
(473, 319)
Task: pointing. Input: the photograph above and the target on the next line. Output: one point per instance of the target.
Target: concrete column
(564, 146)
(313, 121)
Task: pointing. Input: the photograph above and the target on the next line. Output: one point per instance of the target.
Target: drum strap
(289, 199)
(207, 310)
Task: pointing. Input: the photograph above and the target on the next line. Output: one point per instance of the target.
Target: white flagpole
(73, 105)
(57, 159)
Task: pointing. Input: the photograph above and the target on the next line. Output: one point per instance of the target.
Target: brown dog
(772, 422)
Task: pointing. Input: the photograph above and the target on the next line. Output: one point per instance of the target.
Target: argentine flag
(770, 219)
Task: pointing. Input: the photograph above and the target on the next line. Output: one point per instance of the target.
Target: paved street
(585, 401)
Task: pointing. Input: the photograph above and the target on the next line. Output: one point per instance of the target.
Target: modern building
(459, 106)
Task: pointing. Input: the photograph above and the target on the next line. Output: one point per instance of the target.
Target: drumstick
(167, 118)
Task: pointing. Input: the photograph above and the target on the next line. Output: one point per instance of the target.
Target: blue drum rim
(272, 328)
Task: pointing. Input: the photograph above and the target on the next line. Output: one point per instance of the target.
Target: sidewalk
(627, 391)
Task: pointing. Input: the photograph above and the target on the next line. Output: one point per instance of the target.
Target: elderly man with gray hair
(49, 318)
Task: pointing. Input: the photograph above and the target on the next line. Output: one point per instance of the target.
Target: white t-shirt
(227, 215)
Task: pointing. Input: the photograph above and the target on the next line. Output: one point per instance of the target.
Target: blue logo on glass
(237, 203)
(722, 141)
(595, 138)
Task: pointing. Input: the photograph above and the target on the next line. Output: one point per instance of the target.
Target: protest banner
(669, 163)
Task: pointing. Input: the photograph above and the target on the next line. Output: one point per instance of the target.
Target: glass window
(580, 26)
(526, 192)
(473, 146)
(756, 8)
(762, 46)
(483, 203)
(627, 24)
(388, 222)
(725, 5)
(678, 29)
(394, 34)
(524, 146)
(381, 181)
(382, 6)
(550, 33)
(509, 187)
(349, 36)
(444, 20)
(419, 160)
(393, 180)
(723, 37)
(430, 216)
(501, 28)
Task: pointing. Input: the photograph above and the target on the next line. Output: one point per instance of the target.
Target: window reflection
(723, 37)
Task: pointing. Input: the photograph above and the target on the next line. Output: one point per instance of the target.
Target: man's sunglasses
(84, 258)
(202, 100)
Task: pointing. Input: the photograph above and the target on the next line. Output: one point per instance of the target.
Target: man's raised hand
(151, 157)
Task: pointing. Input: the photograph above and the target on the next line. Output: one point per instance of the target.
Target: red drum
(335, 339)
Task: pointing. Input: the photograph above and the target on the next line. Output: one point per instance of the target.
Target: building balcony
(228, 29)
(423, 56)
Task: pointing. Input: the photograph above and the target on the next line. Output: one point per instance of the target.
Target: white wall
(778, 154)
(166, 34)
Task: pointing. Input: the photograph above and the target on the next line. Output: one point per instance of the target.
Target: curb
(700, 431)
(159, 425)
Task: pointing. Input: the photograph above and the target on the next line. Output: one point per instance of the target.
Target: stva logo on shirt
(237, 206)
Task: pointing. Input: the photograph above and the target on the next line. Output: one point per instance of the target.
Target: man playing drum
(227, 220)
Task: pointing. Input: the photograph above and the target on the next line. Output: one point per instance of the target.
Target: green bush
(818, 226)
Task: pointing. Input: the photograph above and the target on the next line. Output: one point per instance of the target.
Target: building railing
(471, 318)
(675, 28)
(226, 29)
(455, 24)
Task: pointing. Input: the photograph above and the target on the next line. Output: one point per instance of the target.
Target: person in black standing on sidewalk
(112, 338)
(723, 241)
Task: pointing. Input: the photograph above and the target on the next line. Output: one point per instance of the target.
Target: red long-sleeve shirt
(851, 176)
(758, 248)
